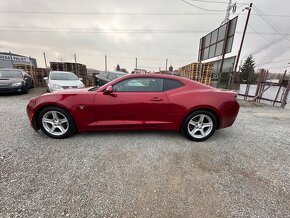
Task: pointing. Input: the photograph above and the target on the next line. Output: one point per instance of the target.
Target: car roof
(153, 75)
(114, 72)
(165, 76)
(11, 69)
(117, 72)
(56, 71)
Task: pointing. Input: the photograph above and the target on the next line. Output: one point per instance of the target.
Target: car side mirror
(109, 90)
(81, 79)
(45, 78)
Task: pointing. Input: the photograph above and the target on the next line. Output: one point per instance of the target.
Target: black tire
(25, 89)
(200, 131)
(61, 113)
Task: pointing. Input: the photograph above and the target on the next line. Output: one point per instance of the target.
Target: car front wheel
(199, 125)
(56, 122)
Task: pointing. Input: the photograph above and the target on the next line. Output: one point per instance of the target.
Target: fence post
(285, 97)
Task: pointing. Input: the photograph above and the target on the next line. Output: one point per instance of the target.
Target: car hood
(10, 80)
(66, 82)
(69, 91)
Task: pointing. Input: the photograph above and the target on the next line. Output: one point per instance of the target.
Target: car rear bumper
(229, 111)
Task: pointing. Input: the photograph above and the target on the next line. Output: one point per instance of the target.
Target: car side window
(111, 76)
(139, 85)
(170, 84)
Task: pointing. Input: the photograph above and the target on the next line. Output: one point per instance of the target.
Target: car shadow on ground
(131, 136)
(127, 133)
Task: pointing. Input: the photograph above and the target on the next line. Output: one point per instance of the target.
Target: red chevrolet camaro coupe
(136, 102)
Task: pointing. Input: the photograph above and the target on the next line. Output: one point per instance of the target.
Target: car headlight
(56, 86)
(16, 84)
(81, 86)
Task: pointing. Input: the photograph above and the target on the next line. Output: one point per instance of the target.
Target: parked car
(136, 102)
(60, 80)
(14, 80)
(106, 76)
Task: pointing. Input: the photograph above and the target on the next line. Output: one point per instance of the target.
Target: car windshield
(63, 76)
(10, 74)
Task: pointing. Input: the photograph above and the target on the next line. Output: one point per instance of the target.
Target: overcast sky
(151, 30)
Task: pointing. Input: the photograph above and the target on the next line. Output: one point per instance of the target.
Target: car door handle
(156, 99)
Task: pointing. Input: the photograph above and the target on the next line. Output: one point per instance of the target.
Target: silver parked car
(60, 80)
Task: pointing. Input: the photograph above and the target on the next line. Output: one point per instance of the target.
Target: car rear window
(111, 76)
(170, 84)
(118, 75)
(104, 74)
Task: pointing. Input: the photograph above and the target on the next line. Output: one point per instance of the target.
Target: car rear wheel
(199, 125)
(56, 122)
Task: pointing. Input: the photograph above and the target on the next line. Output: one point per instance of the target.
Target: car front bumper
(11, 89)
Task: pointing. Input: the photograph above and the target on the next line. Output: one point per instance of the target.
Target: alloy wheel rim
(55, 123)
(200, 126)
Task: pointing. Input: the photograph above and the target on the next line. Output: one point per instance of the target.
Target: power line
(102, 31)
(110, 30)
(269, 23)
(204, 9)
(208, 1)
(103, 13)
(130, 13)
(260, 34)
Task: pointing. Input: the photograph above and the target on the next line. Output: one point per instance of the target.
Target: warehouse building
(7, 60)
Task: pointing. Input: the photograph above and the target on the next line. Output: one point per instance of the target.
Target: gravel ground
(242, 171)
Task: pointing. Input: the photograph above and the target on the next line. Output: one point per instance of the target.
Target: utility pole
(75, 63)
(44, 56)
(136, 64)
(227, 18)
(166, 64)
(241, 45)
(11, 59)
(106, 63)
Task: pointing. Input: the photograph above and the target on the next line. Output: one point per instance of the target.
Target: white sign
(14, 58)
(139, 71)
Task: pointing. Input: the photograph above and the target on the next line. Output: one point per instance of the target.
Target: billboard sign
(218, 42)
(15, 58)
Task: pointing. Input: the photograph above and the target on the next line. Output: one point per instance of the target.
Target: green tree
(118, 68)
(248, 69)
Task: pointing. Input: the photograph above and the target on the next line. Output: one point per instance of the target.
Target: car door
(136, 103)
